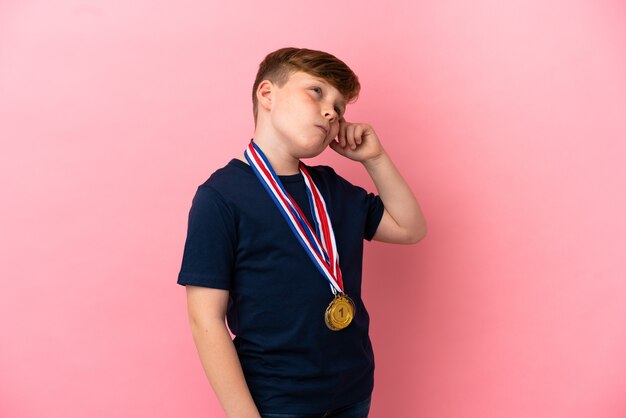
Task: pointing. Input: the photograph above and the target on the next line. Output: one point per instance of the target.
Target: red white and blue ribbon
(319, 244)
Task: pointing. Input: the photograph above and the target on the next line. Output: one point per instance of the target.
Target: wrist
(374, 162)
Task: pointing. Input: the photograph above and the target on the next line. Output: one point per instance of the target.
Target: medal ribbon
(320, 244)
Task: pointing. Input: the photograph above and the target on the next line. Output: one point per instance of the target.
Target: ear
(264, 94)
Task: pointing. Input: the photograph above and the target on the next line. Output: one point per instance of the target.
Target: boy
(267, 236)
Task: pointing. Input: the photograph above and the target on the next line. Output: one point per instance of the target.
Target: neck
(282, 162)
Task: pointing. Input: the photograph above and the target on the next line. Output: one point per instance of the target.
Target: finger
(358, 134)
(342, 133)
(335, 146)
(350, 136)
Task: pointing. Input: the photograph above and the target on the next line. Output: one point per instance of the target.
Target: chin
(311, 149)
(310, 154)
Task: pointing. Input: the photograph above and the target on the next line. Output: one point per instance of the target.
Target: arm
(402, 221)
(207, 310)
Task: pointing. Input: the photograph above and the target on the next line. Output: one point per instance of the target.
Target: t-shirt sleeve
(370, 204)
(209, 252)
(375, 211)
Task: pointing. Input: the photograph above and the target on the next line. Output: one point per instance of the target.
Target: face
(305, 114)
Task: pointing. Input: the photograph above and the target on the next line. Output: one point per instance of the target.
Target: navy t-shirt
(238, 240)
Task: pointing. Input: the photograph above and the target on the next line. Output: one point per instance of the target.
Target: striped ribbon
(319, 244)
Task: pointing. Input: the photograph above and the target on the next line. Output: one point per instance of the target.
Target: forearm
(223, 369)
(399, 200)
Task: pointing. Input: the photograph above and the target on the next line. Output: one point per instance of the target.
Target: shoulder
(231, 171)
(216, 192)
(229, 181)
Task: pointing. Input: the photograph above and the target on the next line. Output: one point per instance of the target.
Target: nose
(331, 115)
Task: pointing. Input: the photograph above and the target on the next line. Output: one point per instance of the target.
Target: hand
(357, 141)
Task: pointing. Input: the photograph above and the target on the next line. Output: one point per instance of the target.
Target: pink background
(508, 119)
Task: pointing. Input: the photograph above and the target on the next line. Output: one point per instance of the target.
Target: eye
(317, 90)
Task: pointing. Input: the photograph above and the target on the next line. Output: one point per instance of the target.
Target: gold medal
(340, 312)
